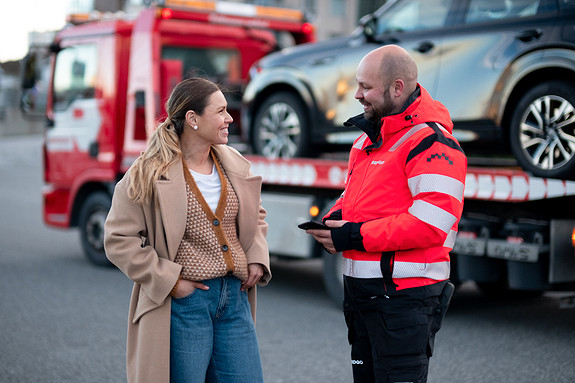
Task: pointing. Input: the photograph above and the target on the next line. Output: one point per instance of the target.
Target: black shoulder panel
(427, 142)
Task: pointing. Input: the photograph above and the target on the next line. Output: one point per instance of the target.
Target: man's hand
(324, 236)
(255, 273)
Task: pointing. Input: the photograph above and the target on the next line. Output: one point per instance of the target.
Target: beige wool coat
(142, 241)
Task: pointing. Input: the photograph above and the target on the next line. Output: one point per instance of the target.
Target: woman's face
(213, 124)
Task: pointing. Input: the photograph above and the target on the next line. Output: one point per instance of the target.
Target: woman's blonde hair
(164, 145)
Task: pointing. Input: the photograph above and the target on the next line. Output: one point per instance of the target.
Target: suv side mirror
(32, 96)
(369, 25)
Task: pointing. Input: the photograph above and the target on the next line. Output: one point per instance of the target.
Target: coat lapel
(173, 201)
(247, 188)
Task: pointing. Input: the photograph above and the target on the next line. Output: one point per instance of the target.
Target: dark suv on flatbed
(505, 69)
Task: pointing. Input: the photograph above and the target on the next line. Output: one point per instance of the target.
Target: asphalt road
(64, 320)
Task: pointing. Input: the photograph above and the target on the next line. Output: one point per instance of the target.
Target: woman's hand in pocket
(185, 288)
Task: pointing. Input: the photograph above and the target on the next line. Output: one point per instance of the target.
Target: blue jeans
(212, 336)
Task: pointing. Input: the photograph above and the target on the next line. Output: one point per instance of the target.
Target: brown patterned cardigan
(210, 247)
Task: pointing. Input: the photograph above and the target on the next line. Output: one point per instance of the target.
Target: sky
(18, 17)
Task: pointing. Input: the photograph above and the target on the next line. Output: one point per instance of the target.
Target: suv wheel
(543, 130)
(91, 224)
(280, 127)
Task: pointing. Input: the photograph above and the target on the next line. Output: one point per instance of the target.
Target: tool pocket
(405, 333)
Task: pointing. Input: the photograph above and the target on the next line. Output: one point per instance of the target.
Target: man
(396, 220)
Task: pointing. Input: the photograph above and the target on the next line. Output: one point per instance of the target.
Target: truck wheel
(280, 127)
(92, 217)
(333, 276)
(543, 130)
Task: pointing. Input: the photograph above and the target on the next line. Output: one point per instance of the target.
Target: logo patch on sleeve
(439, 157)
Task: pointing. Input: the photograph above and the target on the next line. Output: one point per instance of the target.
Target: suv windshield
(413, 15)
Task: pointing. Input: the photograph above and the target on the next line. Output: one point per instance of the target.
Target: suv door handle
(529, 35)
(425, 47)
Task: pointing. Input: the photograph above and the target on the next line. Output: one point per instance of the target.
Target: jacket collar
(366, 126)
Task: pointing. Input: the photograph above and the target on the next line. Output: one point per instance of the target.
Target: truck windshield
(219, 65)
(74, 75)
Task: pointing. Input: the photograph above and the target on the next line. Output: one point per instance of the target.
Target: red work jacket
(404, 193)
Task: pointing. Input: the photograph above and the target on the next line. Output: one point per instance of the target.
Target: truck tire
(542, 133)
(333, 276)
(91, 221)
(281, 127)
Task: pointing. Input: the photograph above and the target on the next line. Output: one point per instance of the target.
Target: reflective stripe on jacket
(404, 196)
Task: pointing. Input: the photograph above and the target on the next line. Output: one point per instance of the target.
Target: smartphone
(310, 225)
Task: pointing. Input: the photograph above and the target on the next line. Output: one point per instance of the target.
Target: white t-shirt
(210, 186)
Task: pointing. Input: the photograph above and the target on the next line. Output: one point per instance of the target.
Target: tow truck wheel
(280, 127)
(543, 130)
(91, 224)
(333, 276)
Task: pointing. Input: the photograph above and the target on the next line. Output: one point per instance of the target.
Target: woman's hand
(255, 273)
(186, 287)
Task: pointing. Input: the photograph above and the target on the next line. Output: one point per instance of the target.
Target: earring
(195, 127)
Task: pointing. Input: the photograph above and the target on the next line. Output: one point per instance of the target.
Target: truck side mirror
(30, 96)
(55, 47)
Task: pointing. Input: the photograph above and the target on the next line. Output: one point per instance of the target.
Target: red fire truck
(111, 76)
(110, 79)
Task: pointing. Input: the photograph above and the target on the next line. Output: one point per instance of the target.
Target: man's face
(372, 93)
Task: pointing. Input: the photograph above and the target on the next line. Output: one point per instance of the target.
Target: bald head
(392, 62)
(390, 72)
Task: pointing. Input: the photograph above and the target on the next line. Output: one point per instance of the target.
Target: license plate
(466, 246)
(523, 252)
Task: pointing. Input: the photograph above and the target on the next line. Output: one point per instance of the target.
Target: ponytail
(163, 150)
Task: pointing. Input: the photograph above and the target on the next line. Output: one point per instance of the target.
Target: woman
(187, 226)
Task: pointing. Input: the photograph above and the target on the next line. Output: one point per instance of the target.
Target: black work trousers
(392, 340)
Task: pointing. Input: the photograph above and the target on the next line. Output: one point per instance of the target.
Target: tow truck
(110, 77)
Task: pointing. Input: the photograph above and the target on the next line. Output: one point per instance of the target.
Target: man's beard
(385, 110)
